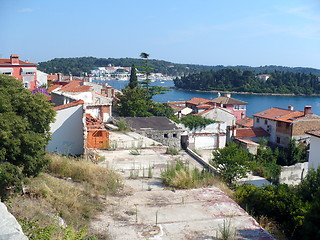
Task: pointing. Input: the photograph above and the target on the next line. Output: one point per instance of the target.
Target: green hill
(79, 65)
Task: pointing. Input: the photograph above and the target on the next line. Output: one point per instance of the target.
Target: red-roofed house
(248, 138)
(73, 130)
(237, 107)
(24, 71)
(97, 102)
(285, 124)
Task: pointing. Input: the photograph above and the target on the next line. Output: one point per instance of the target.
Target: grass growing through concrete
(69, 194)
(179, 175)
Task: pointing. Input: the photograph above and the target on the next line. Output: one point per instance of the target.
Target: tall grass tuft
(179, 175)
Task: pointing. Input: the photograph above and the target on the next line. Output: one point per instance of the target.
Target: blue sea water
(256, 103)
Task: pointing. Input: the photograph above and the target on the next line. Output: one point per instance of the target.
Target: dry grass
(272, 227)
(70, 191)
(97, 178)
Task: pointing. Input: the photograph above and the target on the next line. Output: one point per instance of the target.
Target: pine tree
(133, 78)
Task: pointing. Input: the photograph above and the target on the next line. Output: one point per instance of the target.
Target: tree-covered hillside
(76, 66)
(246, 81)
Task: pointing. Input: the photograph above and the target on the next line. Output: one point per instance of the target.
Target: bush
(10, 180)
(280, 203)
(172, 151)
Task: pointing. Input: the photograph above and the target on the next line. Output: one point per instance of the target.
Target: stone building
(160, 129)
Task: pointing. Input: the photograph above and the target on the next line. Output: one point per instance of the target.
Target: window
(287, 125)
(258, 120)
(175, 135)
(166, 135)
(265, 122)
(278, 124)
(7, 73)
(236, 107)
(27, 73)
(26, 85)
(278, 140)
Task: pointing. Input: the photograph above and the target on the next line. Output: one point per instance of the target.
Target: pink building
(26, 72)
(237, 107)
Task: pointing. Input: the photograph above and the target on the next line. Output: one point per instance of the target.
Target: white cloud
(23, 10)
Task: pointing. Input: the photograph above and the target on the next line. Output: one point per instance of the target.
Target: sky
(206, 32)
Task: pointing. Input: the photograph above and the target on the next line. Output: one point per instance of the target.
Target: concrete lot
(149, 211)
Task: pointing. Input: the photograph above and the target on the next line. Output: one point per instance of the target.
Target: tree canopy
(231, 162)
(246, 81)
(24, 126)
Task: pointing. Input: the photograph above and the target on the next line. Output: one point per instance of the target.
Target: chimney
(70, 77)
(59, 77)
(307, 110)
(14, 59)
(290, 107)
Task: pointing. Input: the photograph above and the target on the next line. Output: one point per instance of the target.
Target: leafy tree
(231, 162)
(133, 82)
(133, 103)
(24, 126)
(194, 122)
(162, 109)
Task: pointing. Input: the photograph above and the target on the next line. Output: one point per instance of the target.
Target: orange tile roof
(75, 86)
(280, 114)
(204, 106)
(53, 87)
(197, 100)
(69, 105)
(246, 122)
(7, 61)
(251, 132)
(52, 77)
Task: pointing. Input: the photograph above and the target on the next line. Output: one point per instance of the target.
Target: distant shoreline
(250, 93)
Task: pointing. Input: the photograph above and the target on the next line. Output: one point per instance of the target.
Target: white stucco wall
(42, 78)
(271, 123)
(68, 131)
(209, 137)
(221, 115)
(314, 155)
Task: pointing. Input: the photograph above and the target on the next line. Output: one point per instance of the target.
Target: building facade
(24, 71)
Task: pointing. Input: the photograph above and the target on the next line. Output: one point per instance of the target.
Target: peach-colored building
(24, 71)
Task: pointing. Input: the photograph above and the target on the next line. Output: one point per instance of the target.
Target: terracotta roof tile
(280, 114)
(75, 86)
(251, 132)
(53, 87)
(204, 106)
(7, 61)
(197, 100)
(245, 122)
(69, 105)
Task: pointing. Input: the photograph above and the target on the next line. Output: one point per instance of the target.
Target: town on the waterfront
(159, 120)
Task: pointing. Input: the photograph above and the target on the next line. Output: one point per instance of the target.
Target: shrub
(10, 180)
(172, 151)
(122, 125)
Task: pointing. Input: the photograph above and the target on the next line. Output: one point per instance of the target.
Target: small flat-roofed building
(160, 129)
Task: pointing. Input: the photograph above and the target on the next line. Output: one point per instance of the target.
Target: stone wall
(170, 138)
(292, 175)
